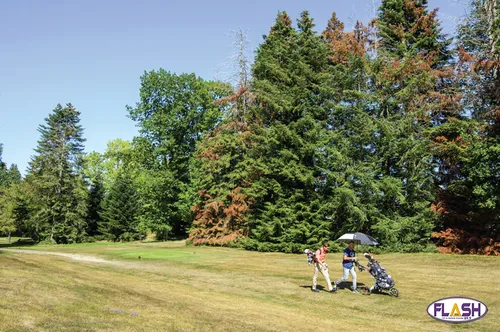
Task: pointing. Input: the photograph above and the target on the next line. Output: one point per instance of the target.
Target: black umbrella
(358, 238)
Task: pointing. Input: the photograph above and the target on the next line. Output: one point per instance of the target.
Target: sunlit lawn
(177, 288)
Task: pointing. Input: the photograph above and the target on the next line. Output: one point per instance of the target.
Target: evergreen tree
(7, 213)
(8, 175)
(469, 202)
(407, 28)
(290, 83)
(120, 211)
(344, 45)
(19, 205)
(412, 92)
(222, 179)
(3, 169)
(221, 175)
(13, 175)
(95, 199)
(349, 159)
(54, 172)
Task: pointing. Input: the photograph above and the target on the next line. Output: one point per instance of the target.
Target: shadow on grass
(341, 286)
(348, 285)
(361, 287)
(318, 287)
(25, 242)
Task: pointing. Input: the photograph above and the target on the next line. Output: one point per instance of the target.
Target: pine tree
(3, 169)
(7, 215)
(291, 86)
(413, 90)
(221, 175)
(8, 175)
(222, 178)
(54, 172)
(13, 175)
(348, 155)
(120, 211)
(407, 28)
(344, 45)
(469, 202)
(95, 199)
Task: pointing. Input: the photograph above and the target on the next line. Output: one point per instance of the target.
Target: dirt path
(91, 259)
(72, 256)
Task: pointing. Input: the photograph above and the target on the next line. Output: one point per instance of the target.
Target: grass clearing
(177, 288)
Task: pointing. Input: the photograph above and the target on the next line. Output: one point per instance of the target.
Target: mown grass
(177, 288)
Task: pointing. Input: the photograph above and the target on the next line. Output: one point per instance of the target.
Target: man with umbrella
(350, 255)
(347, 263)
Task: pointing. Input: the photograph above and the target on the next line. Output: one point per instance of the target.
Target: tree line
(390, 129)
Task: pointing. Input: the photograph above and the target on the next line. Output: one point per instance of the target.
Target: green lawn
(177, 288)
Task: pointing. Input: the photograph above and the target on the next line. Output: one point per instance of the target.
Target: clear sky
(92, 53)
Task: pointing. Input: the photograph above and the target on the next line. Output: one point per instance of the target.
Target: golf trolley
(383, 281)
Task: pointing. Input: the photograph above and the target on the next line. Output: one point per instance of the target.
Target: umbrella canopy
(358, 238)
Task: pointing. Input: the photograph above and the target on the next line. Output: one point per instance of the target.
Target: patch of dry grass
(178, 288)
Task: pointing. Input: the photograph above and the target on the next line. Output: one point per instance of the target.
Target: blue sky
(92, 53)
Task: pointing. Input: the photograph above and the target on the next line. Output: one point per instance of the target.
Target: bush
(411, 248)
(401, 248)
(128, 237)
(246, 243)
(264, 247)
(361, 249)
(336, 247)
(95, 238)
(431, 248)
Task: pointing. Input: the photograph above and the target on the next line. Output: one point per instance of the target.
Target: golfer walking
(320, 265)
(347, 263)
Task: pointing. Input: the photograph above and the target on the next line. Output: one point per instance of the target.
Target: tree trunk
(52, 230)
(490, 7)
(9, 238)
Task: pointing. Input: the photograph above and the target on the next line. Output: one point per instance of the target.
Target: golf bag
(310, 256)
(383, 281)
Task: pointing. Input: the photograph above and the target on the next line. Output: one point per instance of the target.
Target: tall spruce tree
(407, 28)
(10, 178)
(469, 197)
(3, 170)
(8, 175)
(290, 83)
(222, 177)
(13, 175)
(54, 172)
(411, 91)
(94, 208)
(120, 210)
(2, 165)
(350, 183)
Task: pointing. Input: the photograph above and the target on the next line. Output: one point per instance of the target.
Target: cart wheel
(394, 292)
(364, 290)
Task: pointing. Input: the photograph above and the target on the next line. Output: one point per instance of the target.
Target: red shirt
(320, 255)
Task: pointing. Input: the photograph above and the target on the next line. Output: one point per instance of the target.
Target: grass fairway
(178, 288)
